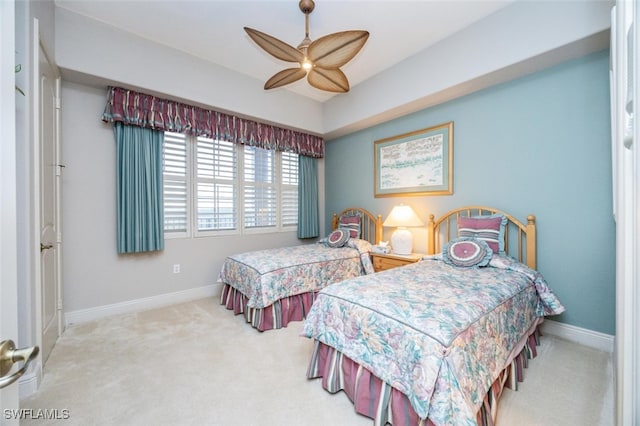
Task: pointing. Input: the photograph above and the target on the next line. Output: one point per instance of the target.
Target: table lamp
(402, 217)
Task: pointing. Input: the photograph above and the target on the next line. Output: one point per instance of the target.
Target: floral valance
(139, 109)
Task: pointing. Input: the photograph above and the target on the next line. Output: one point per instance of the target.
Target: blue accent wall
(536, 145)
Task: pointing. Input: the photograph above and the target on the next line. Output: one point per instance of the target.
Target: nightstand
(382, 262)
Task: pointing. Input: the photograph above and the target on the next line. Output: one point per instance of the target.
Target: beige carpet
(198, 364)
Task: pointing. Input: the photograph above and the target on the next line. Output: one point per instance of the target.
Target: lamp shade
(402, 216)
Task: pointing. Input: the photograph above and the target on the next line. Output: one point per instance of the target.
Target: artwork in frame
(415, 163)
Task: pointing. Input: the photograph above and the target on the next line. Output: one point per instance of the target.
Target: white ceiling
(213, 29)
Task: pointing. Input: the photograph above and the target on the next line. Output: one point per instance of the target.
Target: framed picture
(415, 163)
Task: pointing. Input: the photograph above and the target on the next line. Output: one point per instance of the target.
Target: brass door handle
(44, 247)
(10, 355)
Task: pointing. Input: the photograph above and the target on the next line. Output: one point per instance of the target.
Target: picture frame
(415, 163)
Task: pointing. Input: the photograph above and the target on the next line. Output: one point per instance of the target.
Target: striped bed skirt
(277, 315)
(384, 404)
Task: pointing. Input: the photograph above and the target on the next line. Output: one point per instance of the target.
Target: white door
(8, 256)
(625, 36)
(50, 236)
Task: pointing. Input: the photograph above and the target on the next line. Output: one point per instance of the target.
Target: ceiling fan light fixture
(306, 64)
(319, 60)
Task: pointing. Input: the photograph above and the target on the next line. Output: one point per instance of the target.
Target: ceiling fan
(320, 60)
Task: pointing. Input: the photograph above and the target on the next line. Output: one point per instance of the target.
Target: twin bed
(431, 343)
(275, 286)
(435, 342)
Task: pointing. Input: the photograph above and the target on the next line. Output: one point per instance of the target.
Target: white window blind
(289, 188)
(175, 183)
(259, 192)
(213, 187)
(216, 173)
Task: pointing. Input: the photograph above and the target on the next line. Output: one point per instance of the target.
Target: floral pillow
(338, 238)
(489, 228)
(467, 252)
(350, 223)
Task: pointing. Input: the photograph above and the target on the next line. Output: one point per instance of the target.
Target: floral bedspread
(265, 276)
(438, 333)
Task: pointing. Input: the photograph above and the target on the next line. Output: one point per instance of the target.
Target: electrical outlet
(176, 268)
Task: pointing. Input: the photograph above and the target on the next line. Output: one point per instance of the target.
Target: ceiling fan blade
(334, 50)
(331, 80)
(285, 77)
(275, 47)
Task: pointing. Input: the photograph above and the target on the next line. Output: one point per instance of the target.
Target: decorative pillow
(467, 252)
(338, 238)
(350, 223)
(489, 228)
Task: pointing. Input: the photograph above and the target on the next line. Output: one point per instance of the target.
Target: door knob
(10, 355)
(44, 247)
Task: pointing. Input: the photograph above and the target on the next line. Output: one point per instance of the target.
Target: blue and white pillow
(467, 252)
(338, 238)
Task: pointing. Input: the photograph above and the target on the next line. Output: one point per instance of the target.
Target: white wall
(94, 274)
(86, 47)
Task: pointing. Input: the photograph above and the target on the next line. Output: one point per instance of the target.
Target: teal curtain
(140, 202)
(308, 220)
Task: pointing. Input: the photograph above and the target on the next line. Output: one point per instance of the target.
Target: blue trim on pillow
(503, 224)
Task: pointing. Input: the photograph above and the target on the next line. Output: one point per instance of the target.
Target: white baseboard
(29, 383)
(582, 336)
(137, 305)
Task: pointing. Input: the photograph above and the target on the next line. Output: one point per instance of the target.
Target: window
(289, 189)
(223, 188)
(259, 188)
(216, 172)
(176, 180)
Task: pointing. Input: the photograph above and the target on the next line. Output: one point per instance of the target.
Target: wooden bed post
(431, 235)
(378, 237)
(531, 241)
(334, 222)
